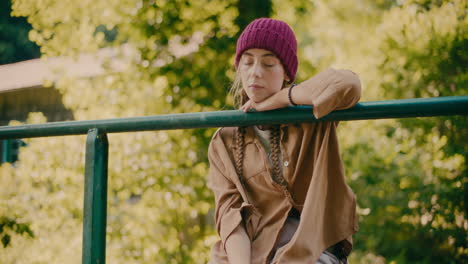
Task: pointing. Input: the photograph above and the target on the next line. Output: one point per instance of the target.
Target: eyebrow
(269, 54)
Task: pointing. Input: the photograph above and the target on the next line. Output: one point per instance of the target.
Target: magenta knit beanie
(273, 35)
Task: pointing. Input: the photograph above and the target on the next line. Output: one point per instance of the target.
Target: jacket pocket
(253, 163)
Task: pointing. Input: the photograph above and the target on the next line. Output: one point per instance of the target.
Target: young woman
(280, 191)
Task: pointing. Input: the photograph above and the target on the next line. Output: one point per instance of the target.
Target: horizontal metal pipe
(420, 107)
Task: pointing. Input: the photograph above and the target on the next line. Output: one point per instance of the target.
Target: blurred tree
(174, 56)
(425, 54)
(14, 43)
(14, 47)
(409, 174)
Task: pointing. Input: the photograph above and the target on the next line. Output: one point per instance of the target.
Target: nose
(257, 70)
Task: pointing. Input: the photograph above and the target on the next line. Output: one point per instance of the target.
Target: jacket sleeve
(333, 90)
(229, 203)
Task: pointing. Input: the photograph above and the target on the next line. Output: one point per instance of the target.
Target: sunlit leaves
(159, 206)
(409, 173)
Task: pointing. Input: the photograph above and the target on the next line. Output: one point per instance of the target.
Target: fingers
(248, 106)
(251, 106)
(270, 103)
(275, 101)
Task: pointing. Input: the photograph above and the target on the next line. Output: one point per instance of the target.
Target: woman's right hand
(238, 247)
(275, 101)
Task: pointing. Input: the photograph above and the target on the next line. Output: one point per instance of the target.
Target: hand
(276, 101)
(238, 246)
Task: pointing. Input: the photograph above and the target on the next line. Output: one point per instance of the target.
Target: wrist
(291, 102)
(284, 97)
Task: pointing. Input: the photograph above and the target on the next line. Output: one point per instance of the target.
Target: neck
(264, 127)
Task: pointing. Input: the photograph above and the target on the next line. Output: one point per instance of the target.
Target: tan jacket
(313, 169)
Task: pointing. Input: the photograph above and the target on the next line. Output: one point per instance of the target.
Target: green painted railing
(95, 196)
(6, 151)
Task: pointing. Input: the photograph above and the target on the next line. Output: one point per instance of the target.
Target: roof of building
(33, 73)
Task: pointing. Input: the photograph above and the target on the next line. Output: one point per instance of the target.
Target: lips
(255, 86)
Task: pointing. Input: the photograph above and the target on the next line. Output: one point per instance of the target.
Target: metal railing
(95, 195)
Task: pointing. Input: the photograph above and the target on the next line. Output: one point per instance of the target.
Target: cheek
(242, 73)
(244, 79)
(277, 80)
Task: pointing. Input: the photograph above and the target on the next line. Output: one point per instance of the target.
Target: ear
(286, 78)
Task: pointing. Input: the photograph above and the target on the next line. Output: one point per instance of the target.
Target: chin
(257, 100)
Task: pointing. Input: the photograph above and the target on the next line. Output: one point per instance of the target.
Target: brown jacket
(313, 169)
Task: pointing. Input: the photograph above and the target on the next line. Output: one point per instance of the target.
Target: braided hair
(239, 153)
(277, 174)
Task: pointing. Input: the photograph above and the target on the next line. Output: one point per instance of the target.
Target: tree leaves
(8, 225)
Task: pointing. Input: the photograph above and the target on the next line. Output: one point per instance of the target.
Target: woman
(280, 191)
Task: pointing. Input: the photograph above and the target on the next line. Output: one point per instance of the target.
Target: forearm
(330, 81)
(238, 246)
(327, 91)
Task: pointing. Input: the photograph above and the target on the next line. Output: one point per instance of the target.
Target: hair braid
(275, 160)
(239, 158)
(275, 156)
(277, 174)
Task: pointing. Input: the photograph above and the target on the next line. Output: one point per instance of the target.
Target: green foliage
(8, 225)
(14, 43)
(426, 55)
(176, 56)
(410, 174)
(173, 57)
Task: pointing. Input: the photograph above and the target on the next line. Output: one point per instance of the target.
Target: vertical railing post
(6, 151)
(95, 198)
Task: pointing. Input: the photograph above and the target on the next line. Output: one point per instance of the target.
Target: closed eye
(247, 61)
(270, 61)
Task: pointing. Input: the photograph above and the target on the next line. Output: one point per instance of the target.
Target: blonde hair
(237, 91)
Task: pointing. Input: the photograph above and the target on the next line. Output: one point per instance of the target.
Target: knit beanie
(273, 35)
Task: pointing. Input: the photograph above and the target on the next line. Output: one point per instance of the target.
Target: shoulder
(224, 136)
(220, 148)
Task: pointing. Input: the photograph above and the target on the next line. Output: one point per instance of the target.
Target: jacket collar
(251, 136)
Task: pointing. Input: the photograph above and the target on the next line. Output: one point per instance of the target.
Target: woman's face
(262, 74)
